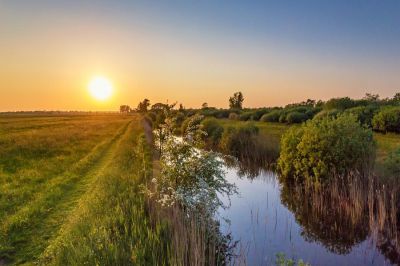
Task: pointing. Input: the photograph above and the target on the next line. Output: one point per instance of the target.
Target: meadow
(70, 190)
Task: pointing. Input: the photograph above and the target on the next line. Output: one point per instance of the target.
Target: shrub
(259, 113)
(387, 119)
(214, 131)
(326, 147)
(246, 116)
(233, 116)
(327, 113)
(244, 143)
(271, 117)
(339, 103)
(236, 139)
(282, 118)
(296, 117)
(364, 114)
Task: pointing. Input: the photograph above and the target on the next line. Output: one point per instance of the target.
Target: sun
(100, 88)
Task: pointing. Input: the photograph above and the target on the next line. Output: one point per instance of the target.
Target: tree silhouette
(124, 109)
(142, 106)
(236, 101)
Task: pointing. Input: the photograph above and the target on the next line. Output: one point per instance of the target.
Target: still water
(266, 218)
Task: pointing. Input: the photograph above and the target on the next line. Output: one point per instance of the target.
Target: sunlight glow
(100, 88)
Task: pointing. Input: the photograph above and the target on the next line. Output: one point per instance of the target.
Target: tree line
(380, 114)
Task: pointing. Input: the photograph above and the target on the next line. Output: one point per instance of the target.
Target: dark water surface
(267, 218)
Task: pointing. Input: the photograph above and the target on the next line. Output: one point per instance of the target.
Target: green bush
(246, 116)
(282, 118)
(214, 131)
(327, 113)
(246, 144)
(339, 103)
(364, 114)
(296, 117)
(271, 116)
(326, 147)
(387, 119)
(236, 139)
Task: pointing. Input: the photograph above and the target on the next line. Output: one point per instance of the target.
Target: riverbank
(386, 143)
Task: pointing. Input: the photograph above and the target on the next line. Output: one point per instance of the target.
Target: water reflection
(349, 222)
(331, 217)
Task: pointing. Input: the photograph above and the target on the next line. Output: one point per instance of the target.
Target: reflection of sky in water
(265, 227)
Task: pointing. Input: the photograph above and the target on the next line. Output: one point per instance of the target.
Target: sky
(275, 52)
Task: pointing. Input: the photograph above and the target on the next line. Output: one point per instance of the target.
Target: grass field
(70, 191)
(274, 131)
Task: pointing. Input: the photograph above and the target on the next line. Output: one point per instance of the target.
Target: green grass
(70, 191)
(385, 142)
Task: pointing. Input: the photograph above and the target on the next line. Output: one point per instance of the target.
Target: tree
(162, 106)
(142, 106)
(339, 103)
(204, 106)
(396, 97)
(124, 109)
(236, 101)
(371, 97)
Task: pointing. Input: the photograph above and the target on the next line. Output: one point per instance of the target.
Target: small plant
(281, 260)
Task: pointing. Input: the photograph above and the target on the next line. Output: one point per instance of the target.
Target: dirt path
(29, 230)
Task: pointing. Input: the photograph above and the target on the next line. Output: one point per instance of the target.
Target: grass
(70, 191)
(72, 194)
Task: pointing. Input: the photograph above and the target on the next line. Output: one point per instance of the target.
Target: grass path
(26, 233)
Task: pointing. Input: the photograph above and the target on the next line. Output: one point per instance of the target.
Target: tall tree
(236, 101)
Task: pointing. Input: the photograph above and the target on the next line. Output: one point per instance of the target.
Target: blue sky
(284, 51)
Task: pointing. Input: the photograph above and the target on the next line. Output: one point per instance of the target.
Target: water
(264, 225)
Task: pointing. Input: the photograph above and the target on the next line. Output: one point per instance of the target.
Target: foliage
(327, 113)
(388, 119)
(124, 109)
(296, 117)
(143, 106)
(246, 144)
(326, 147)
(339, 103)
(189, 176)
(236, 101)
(246, 116)
(272, 116)
(214, 131)
(364, 114)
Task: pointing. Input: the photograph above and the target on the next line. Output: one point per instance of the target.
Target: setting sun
(100, 88)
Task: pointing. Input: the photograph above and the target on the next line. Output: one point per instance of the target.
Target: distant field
(63, 179)
(386, 142)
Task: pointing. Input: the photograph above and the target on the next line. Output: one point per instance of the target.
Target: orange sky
(49, 54)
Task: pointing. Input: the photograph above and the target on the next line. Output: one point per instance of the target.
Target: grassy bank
(70, 192)
(274, 131)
